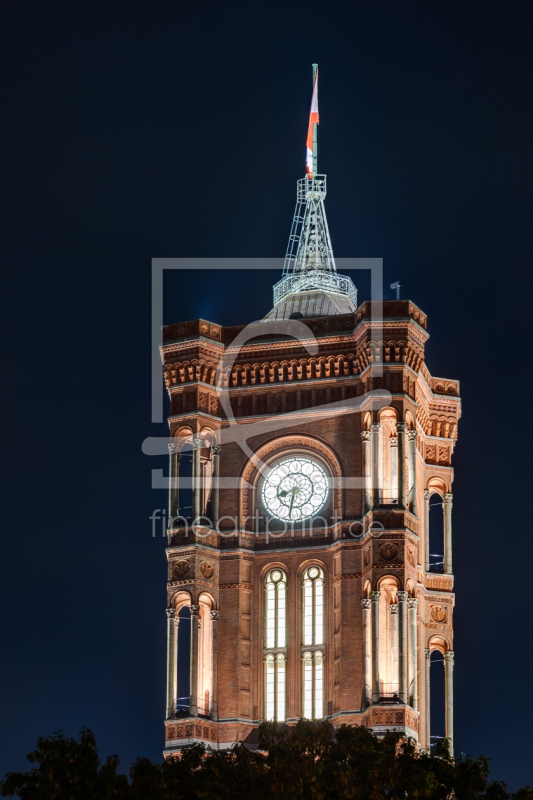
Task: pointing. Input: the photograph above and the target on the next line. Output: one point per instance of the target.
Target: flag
(313, 117)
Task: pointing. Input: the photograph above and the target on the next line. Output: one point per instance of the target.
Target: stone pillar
(173, 482)
(193, 705)
(215, 496)
(447, 504)
(375, 464)
(367, 651)
(214, 617)
(413, 672)
(402, 495)
(402, 644)
(171, 663)
(428, 700)
(374, 597)
(448, 677)
(196, 479)
(393, 444)
(411, 439)
(394, 646)
(366, 465)
(427, 496)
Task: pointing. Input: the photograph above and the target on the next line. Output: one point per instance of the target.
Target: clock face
(295, 489)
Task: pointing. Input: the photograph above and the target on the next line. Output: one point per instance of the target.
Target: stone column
(171, 663)
(366, 464)
(448, 677)
(193, 705)
(173, 482)
(413, 681)
(196, 480)
(447, 504)
(367, 652)
(214, 617)
(428, 700)
(215, 456)
(375, 464)
(393, 444)
(411, 439)
(427, 496)
(394, 646)
(374, 597)
(402, 496)
(402, 641)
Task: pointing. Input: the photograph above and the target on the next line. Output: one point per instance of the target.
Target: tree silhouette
(309, 760)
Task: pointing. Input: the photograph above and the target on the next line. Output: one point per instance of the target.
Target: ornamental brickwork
(385, 606)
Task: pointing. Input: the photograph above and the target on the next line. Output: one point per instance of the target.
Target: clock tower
(305, 453)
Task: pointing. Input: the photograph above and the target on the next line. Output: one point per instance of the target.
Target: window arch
(275, 645)
(313, 605)
(388, 457)
(313, 636)
(275, 609)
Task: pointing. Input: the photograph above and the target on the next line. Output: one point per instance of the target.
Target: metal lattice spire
(314, 249)
(310, 263)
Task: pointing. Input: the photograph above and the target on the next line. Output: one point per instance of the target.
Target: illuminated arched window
(275, 644)
(313, 636)
(313, 606)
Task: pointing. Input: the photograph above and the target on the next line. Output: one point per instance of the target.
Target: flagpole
(315, 131)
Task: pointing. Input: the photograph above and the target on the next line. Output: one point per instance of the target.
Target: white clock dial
(295, 489)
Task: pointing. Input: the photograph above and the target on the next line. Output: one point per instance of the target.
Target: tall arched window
(275, 644)
(313, 637)
(388, 457)
(313, 606)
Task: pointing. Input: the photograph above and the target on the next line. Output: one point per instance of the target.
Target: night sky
(134, 130)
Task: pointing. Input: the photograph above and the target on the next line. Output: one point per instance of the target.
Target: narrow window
(280, 689)
(313, 636)
(270, 687)
(275, 645)
(313, 685)
(308, 685)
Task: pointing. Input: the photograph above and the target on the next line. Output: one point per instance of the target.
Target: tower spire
(310, 285)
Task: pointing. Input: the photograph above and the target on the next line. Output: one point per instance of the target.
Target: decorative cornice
(347, 577)
(236, 586)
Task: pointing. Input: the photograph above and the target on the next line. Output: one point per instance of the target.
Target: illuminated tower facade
(315, 442)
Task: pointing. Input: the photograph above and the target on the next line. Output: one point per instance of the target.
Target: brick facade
(278, 405)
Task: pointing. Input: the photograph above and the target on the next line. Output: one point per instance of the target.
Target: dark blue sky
(140, 129)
